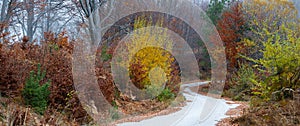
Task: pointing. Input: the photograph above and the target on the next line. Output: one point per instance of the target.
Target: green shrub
(34, 94)
(153, 90)
(114, 114)
(105, 56)
(166, 95)
(241, 83)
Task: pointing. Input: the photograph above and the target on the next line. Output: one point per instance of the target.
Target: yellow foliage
(271, 12)
(150, 59)
(148, 36)
(266, 18)
(148, 48)
(274, 44)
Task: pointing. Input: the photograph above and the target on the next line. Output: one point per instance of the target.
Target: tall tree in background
(7, 11)
(32, 18)
(57, 15)
(31, 24)
(37, 17)
(216, 8)
(90, 9)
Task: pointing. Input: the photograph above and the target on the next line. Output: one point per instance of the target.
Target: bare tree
(32, 18)
(7, 11)
(90, 9)
(58, 16)
(29, 7)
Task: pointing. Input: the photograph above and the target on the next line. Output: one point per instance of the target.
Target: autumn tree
(231, 28)
(280, 63)
(274, 45)
(149, 58)
(266, 15)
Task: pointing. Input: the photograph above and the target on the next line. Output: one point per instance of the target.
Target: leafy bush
(280, 63)
(241, 83)
(153, 90)
(14, 69)
(105, 56)
(114, 114)
(17, 59)
(274, 46)
(166, 95)
(157, 88)
(34, 94)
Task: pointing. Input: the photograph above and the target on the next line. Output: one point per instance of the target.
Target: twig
(24, 122)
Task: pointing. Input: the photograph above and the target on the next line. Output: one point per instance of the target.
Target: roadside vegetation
(263, 54)
(262, 46)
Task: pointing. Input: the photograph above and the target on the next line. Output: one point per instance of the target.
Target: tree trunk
(3, 9)
(30, 16)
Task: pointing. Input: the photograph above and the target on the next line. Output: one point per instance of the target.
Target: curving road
(192, 114)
